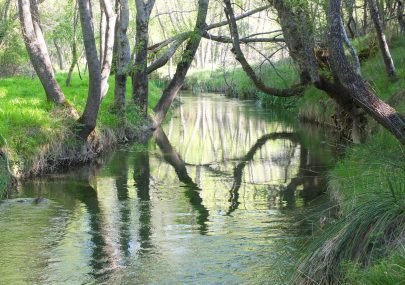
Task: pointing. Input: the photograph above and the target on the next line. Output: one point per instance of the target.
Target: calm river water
(224, 194)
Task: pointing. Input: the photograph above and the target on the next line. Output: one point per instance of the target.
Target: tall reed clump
(369, 187)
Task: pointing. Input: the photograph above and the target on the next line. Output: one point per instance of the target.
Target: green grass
(29, 123)
(370, 228)
(235, 83)
(26, 119)
(388, 271)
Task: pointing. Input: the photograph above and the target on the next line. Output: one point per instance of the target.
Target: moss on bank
(39, 135)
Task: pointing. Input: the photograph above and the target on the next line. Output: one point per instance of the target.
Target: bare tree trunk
(354, 83)
(61, 58)
(102, 29)
(365, 18)
(89, 117)
(108, 45)
(400, 16)
(74, 46)
(299, 40)
(123, 57)
(140, 75)
(183, 66)
(389, 63)
(37, 51)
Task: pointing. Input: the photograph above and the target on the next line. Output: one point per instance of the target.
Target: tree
(357, 89)
(245, 65)
(123, 57)
(170, 92)
(75, 57)
(37, 50)
(140, 74)
(389, 63)
(107, 50)
(89, 117)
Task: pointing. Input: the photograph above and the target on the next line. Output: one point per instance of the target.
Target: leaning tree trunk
(123, 58)
(389, 63)
(354, 83)
(244, 63)
(140, 73)
(183, 66)
(89, 117)
(37, 51)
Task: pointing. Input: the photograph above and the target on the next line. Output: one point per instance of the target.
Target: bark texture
(354, 83)
(170, 92)
(299, 39)
(89, 117)
(110, 19)
(74, 46)
(140, 73)
(123, 57)
(379, 27)
(37, 50)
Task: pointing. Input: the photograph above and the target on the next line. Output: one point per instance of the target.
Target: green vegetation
(369, 186)
(315, 105)
(364, 245)
(236, 84)
(30, 123)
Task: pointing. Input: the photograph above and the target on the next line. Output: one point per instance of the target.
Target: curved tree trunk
(89, 117)
(140, 72)
(354, 83)
(183, 66)
(389, 63)
(37, 51)
(246, 66)
(123, 57)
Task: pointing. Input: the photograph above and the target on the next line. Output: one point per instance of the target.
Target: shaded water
(220, 195)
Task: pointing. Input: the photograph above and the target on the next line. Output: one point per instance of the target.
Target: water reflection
(192, 190)
(214, 198)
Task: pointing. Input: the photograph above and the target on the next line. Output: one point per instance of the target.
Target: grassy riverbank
(38, 136)
(366, 243)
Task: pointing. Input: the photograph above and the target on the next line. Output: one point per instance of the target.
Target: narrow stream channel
(224, 194)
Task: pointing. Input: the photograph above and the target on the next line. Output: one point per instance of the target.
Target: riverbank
(37, 137)
(365, 243)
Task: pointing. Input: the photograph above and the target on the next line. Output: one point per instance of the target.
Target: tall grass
(369, 186)
(373, 226)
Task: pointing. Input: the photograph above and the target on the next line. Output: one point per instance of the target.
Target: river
(225, 193)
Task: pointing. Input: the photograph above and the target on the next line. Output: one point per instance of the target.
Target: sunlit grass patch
(28, 120)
